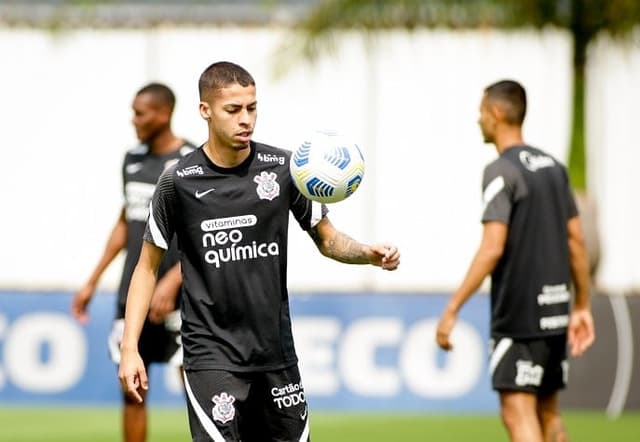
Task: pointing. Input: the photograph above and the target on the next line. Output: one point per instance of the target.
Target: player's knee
(509, 417)
(516, 414)
(553, 429)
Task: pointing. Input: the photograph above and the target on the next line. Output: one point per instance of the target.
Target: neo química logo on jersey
(223, 241)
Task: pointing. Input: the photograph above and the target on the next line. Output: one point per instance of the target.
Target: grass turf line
(61, 424)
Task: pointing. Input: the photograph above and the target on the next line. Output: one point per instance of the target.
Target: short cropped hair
(513, 98)
(160, 92)
(220, 75)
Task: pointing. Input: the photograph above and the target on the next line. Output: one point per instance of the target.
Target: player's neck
(225, 156)
(165, 142)
(508, 137)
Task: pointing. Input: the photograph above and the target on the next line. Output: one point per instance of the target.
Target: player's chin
(238, 145)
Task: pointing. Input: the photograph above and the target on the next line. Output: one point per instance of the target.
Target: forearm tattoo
(341, 247)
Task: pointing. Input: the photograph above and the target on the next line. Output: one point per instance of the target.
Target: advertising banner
(357, 351)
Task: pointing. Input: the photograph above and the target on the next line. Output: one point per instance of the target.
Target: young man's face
(487, 120)
(149, 117)
(232, 112)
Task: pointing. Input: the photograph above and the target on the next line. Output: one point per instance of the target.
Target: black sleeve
(161, 222)
(502, 186)
(308, 213)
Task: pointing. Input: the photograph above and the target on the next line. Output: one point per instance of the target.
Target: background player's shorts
(537, 366)
(158, 342)
(252, 407)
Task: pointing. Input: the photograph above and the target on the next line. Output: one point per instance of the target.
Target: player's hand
(80, 303)
(386, 256)
(132, 375)
(162, 303)
(581, 331)
(445, 326)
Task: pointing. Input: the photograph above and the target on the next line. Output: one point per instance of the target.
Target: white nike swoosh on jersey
(201, 194)
(303, 415)
(133, 168)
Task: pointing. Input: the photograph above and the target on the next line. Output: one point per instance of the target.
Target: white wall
(412, 102)
(613, 134)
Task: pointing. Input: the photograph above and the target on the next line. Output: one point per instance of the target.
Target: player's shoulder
(192, 163)
(525, 155)
(137, 151)
(187, 148)
(263, 151)
(533, 159)
(268, 147)
(502, 167)
(270, 156)
(180, 167)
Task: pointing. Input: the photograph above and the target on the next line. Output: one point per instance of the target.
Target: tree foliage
(583, 19)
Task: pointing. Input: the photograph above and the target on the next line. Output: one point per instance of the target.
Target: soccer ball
(326, 167)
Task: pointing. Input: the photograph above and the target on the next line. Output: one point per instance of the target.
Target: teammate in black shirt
(533, 247)
(159, 149)
(228, 204)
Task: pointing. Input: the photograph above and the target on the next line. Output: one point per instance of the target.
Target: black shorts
(537, 366)
(158, 342)
(249, 407)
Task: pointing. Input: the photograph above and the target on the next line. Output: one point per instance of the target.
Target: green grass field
(170, 425)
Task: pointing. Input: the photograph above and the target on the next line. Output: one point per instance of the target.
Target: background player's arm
(581, 329)
(494, 238)
(341, 247)
(579, 263)
(116, 242)
(164, 296)
(132, 372)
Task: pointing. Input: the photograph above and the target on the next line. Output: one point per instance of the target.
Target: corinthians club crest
(224, 411)
(268, 187)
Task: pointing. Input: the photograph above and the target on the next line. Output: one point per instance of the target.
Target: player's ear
(205, 111)
(165, 116)
(497, 111)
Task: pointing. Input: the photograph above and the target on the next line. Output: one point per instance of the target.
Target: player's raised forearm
(343, 248)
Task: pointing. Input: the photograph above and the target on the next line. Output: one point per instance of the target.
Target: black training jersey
(232, 227)
(140, 172)
(530, 287)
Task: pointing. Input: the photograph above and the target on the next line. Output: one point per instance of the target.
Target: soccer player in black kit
(159, 148)
(533, 247)
(228, 204)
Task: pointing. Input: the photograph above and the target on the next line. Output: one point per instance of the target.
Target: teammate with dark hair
(159, 148)
(533, 247)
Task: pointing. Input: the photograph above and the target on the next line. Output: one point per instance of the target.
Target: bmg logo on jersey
(223, 241)
(271, 158)
(189, 171)
(288, 395)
